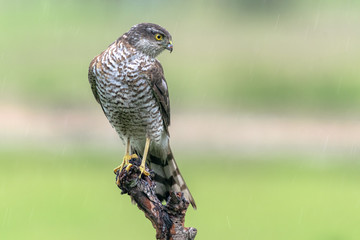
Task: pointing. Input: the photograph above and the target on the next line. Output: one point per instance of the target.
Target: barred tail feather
(179, 184)
(168, 178)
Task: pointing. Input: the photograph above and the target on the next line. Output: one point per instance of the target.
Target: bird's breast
(127, 98)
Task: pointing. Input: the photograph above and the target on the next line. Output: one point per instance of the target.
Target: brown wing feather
(160, 90)
(92, 80)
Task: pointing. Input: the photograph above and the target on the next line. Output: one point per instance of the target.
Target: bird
(128, 82)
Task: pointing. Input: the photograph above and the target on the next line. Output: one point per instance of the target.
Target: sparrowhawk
(128, 82)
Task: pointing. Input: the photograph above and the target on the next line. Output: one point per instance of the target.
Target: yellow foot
(125, 162)
(128, 167)
(143, 171)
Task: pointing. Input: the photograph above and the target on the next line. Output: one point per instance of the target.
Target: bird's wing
(92, 80)
(167, 174)
(160, 90)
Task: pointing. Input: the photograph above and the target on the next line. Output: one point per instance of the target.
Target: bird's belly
(134, 112)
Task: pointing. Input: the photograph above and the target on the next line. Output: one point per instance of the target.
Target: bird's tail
(168, 178)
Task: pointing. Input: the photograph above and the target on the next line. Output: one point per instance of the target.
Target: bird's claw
(126, 162)
(143, 171)
(128, 167)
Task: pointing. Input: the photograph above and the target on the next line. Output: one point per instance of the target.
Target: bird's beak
(170, 46)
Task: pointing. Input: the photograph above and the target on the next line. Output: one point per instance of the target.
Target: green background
(297, 58)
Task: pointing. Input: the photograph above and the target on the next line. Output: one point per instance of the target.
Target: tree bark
(168, 220)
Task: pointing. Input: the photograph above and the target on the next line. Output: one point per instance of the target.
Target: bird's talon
(128, 167)
(133, 156)
(126, 159)
(143, 171)
(125, 162)
(118, 168)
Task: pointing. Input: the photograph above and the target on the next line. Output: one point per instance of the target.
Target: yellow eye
(158, 37)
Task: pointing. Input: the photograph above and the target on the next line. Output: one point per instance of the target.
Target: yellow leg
(142, 166)
(126, 158)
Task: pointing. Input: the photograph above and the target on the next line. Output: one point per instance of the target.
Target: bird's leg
(126, 158)
(142, 165)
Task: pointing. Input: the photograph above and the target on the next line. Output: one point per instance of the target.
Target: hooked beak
(170, 46)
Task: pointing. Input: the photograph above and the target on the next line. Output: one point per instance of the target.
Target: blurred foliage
(71, 194)
(242, 54)
(257, 55)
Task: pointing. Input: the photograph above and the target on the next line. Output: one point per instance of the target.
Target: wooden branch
(168, 219)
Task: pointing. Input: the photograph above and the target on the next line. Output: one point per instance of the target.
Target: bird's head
(149, 38)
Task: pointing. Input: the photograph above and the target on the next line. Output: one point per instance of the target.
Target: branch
(168, 219)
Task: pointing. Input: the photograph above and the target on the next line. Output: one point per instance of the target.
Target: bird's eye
(158, 37)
